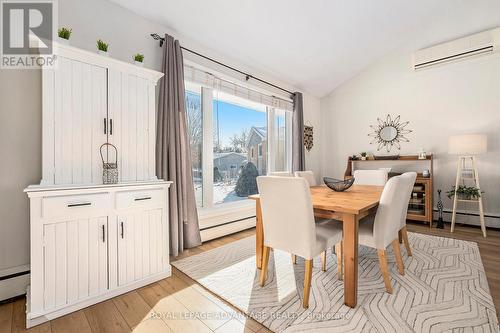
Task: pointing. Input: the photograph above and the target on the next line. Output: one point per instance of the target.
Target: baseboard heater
(226, 228)
(13, 282)
(469, 214)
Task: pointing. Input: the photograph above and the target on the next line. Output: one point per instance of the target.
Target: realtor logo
(27, 33)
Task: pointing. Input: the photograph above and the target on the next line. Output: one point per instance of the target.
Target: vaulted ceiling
(316, 45)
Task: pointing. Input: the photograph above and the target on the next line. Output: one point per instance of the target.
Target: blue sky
(233, 118)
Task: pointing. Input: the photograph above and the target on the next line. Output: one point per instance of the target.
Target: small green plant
(363, 154)
(64, 33)
(139, 57)
(354, 157)
(102, 46)
(465, 192)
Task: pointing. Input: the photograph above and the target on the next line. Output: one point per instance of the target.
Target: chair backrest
(370, 177)
(391, 207)
(409, 179)
(287, 214)
(281, 174)
(307, 175)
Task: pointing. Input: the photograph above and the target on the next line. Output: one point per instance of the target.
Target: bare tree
(239, 141)
(195, 127)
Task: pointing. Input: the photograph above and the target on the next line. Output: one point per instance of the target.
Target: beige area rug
(444, 289)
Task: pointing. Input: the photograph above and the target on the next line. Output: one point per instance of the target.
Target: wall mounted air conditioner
(471, 46)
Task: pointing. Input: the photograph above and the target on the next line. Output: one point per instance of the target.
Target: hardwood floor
(179, 304)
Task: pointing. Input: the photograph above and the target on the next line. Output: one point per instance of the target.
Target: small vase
(363, 158)
(139, 63)
(104, 53)
(63, 41)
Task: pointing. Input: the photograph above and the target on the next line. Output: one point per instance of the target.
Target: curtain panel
(298, 152)
(173, 156)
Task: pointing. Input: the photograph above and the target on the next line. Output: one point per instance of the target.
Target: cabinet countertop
(59, 187)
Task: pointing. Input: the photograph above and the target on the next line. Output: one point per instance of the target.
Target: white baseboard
(16, 285)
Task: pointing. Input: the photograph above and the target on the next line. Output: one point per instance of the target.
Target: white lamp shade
(468, 144)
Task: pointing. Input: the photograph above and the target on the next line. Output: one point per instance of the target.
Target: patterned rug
(444, 289)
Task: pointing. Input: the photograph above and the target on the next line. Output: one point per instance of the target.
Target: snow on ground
(223, 192)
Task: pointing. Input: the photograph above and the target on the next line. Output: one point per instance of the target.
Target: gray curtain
(173, 157)
(298, 153)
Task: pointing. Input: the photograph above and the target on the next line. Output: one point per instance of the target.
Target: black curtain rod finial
(157, 37)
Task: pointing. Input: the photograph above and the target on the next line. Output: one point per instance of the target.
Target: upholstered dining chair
(381, 230)
(409, 179)
(288, 222)
(307, 175)
(281, 174)
(370, 177)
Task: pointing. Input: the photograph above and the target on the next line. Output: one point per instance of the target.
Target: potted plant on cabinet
(102, 47)
(465, 192)
(139, 59)
(64, 35)
(363, 156)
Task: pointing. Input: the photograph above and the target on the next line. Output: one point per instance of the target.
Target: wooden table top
(356, 199)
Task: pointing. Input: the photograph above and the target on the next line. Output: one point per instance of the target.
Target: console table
(421, 204)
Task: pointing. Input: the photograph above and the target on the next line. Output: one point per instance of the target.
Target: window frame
(207, 98)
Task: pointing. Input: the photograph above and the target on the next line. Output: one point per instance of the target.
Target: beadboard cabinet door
(75, 106)
(141, 245)
(75, 260)
(87, 100)
(132, 112)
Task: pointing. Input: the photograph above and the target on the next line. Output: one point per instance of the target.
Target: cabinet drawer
(141, 198)
(68, 206)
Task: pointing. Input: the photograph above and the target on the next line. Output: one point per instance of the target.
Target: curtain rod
(247, 76)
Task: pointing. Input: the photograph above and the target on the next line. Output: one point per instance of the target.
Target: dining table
(347, 207)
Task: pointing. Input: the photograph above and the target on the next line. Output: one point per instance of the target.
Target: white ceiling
(316, 45)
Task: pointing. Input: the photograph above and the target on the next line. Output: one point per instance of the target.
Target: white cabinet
(74, 260)
(132, 111)
(140, 245)
(89, 99)
(95, 242)
(88, 241)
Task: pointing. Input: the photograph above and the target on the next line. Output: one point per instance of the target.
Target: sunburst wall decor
(389, 133)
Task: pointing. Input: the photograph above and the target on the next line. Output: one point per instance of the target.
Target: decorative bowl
(338, 185)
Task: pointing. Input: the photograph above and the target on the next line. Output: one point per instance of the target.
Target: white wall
(456, 98)
(20, 106)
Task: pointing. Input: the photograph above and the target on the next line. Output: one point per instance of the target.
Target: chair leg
(307, 283)
(323, 261)
(404, 233)
(340, 268)
(265, 263)
(400, 236)
(399, 258)
(294, 259)
(385, 270)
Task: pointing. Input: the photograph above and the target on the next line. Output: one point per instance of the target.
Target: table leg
(259, 235)
(350, 225)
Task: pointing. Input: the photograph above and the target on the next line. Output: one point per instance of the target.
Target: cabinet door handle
(105, 126)
(110, 126)
(80, 204)
(122, 231)
(103, 234)
(143, 198)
